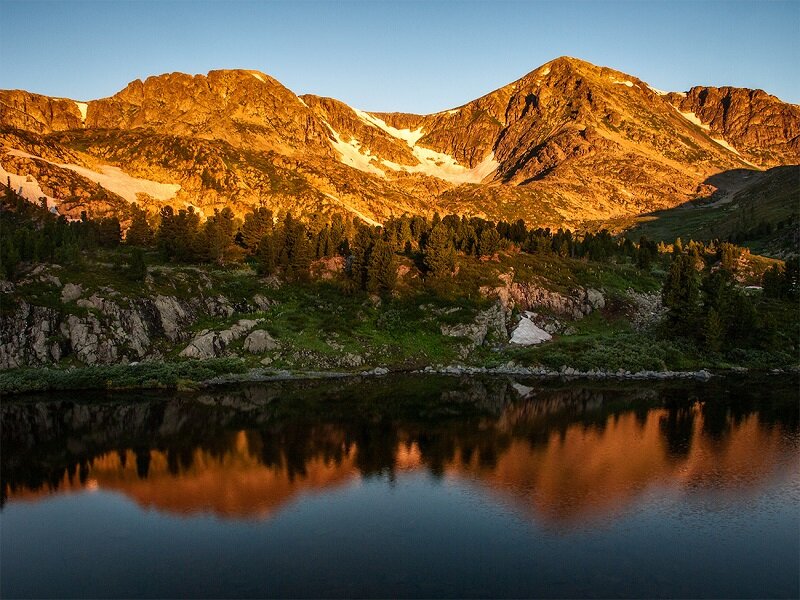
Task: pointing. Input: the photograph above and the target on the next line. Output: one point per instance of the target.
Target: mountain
(567, 143)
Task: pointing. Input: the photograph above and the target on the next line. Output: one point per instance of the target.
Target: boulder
(71, 292)
(487, 323)
(210, 344)
(259, 341)
(527, 333)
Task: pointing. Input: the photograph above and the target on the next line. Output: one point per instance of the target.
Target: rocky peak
(565, 143)
(40, 114)
(760, 126)
(244, 108)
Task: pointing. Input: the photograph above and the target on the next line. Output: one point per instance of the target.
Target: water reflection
(562, 454)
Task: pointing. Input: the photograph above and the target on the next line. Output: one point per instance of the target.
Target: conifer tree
(440, 256)
(360, 250)
(489, 242)
(681, 292)
(713, 331)
(137, 267)
(139, 233)
(257, 223)
(382, 269)
(265, 255)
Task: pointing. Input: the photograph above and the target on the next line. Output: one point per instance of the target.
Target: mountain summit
(567, 143)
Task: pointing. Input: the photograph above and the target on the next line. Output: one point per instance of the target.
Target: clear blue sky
(405, 56)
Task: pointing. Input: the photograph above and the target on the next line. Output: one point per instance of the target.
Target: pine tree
(360, 250)
(774, 282)
(713, 331)
(681, 293)
(139, 233)
(382, 269)
(265, 255)
(257, 224)
(137, 267)
(489, 242)
(166, 237)
(440, 256)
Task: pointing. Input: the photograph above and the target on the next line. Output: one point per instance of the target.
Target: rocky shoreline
(256, 375)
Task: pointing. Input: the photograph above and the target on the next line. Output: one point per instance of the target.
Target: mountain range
(568, 143)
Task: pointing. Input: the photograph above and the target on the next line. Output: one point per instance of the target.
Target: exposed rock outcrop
(488, 324)
(210, 344)
(107, 328)
(259, 342)
(533, 296)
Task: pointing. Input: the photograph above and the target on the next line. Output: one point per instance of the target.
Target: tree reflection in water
(565, 452)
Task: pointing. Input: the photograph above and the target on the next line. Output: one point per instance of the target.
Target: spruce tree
(137, 267)
(382, 269)
(257, 223)
(440, 256)
(681, 293)
(489, 242)
(139, 233)
(265, 255)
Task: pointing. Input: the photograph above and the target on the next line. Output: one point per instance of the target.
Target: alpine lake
(405, 486)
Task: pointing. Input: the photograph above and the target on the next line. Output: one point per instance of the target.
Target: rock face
(761, 127)
(528, 295)
(109, 329)
(210, 344)
(566, 143)
(490, 323)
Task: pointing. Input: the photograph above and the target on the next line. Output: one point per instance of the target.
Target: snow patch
(301, 101)
(27, 187)
(82, 107)
(625, 83)
(545, 72)
(258, 76)
(528, 334)
(444, 166)
(408, 136)
(431, 162)
(726, 145)
(351, 155)
(657, 91)
(116, 180)
(693, 118)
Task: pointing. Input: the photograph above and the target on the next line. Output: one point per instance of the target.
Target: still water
(403, 486)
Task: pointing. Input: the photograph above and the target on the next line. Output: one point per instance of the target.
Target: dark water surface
(405, 487)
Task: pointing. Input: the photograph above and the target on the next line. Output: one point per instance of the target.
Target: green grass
(107, 377)
(772, 199)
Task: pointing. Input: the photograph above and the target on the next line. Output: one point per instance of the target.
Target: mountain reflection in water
(564, 454)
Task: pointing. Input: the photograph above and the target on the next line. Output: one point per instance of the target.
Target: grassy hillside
(763, 215)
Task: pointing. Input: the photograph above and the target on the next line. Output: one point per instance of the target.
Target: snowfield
(351, 155)
(116, 180)
(657, 91)
(82, 107)
(431, 162)
(27, 187)
(693, 118)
